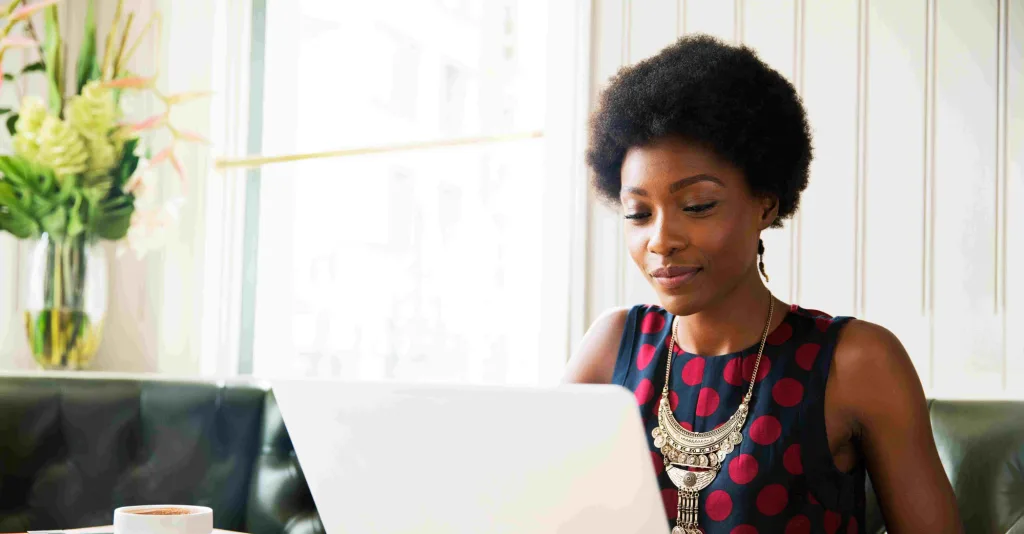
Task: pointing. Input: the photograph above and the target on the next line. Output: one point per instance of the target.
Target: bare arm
(878, 389)
(594, 362)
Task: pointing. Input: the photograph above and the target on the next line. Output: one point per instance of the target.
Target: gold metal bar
(259, 161)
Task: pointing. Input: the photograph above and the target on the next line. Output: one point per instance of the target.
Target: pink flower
(180, 169)
(184, 97)
(131, 82)
(149, 123)
(28, 10)
(17, 41)
(192, 137)
(161, 156)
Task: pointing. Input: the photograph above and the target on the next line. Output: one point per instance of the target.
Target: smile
(674, 277)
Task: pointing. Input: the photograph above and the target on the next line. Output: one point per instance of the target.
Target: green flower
(30, 116)
(30, 120)
(61, 148)
(93, 113)
(103, 156)
(25, 146)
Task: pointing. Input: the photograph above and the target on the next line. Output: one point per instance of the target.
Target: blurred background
(485, 262)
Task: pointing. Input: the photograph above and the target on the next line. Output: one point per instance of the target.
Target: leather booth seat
(981, 445)
(73, 449)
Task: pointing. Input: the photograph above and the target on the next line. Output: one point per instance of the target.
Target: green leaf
(88, 68)
(18, 226)
(14, 218)
(55, 223)
(75, 224)
(113, 226)
(10, 123)
(27, 175)
(38, 66)
(5, 111)
(53, 60)
(129, 162)
(8, 77)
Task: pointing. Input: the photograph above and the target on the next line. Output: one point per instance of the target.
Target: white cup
(148, 520)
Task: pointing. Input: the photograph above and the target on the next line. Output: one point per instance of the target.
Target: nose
(666, 238)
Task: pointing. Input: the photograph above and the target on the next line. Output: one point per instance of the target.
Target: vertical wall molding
(796, 222)
(1002, 162)
(620, 261)
(928, 259)
(680, 18)
(738, 30)
(861, 157)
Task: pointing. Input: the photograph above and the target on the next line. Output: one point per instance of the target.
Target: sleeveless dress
(782, 477)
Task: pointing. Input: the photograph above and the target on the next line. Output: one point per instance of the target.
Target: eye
(700, 208)
(639, 216)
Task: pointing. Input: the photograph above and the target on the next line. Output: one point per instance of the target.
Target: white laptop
(397, 458)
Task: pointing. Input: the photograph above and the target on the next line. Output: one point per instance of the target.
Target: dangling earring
(760, 262)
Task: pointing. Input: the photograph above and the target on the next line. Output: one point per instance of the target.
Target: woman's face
(691, 223)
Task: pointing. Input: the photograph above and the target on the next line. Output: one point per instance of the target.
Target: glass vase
(66, 302)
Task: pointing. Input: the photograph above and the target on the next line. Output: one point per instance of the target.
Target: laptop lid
(397, 458)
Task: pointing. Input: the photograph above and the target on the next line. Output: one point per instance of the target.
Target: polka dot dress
(781, 478)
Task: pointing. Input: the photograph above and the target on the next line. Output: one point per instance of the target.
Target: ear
(769, 205)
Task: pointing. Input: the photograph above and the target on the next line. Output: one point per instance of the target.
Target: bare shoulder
(594, 361)
(873, 373)
(866, 349)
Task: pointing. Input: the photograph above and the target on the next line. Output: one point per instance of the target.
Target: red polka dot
(719, 505)
(671, 499)
(765, 430)
(852, 527)
(806, 354)
(659, 463)
(762, 368)
(773, 499)
(788, 392)
(693, 372)
(743, 469)
(781, 334)
(645, 355)
(743, 529)
(812, 499)
(686, 425)
(819, 313)
(732, 373)
(823, 323)
(644, 391)
(673, 402)
(653, 323)
(799, 525)
(707, 402)
(832, 521)
(791, 459)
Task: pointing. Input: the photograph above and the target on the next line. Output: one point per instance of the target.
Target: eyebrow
(677, 185)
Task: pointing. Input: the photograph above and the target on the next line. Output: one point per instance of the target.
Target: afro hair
(720, 96)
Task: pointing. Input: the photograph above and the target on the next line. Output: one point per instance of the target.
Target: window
(412, 265)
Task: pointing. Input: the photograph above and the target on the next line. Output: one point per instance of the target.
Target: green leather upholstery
(72, 450)
(981, 445)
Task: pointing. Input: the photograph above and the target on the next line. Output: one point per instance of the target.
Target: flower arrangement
(78, 170)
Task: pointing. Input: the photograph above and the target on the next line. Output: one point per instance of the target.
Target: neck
(733, 322)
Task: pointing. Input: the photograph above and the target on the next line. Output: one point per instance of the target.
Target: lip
(673, 277)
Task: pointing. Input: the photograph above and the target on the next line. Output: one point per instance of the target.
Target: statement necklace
(693, 459)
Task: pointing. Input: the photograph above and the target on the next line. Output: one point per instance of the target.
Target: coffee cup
(163, 519)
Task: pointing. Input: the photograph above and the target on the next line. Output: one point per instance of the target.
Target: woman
(703, 147)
